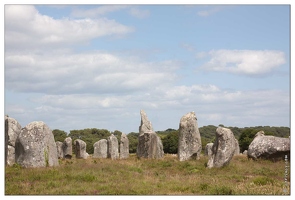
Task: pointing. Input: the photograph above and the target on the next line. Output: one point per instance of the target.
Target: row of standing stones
(34, 145)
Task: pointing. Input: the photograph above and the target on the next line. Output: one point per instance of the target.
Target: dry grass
(149, 177)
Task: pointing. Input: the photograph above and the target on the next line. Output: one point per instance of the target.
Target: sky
(97, 66)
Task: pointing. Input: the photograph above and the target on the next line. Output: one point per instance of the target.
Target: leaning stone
(100, 149)
(67, 148)
(208, 149)
(124, 146)
(269, 147)
(35, 146)
(149, 143)
(223, 148)
(12, 130)
(189, 143)
(59, 146)
(113, 151)
(80, 149)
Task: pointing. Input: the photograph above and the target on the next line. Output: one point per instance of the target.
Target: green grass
(148, 177)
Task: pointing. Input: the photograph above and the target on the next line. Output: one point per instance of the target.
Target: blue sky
(96, 66)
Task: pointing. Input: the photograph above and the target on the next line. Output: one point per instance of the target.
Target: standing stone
(12, 131)
(100, 149)
(35, 146)
(245, 152)
(67, 148)
(113, 150)
(269, 147)
(223, 148)
(149, 143)
(208, 149)
(237, 150)
(80, 149)
(189, 143)
(59, 146)
(124, 146)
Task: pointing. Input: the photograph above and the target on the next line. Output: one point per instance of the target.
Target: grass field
(150, 177)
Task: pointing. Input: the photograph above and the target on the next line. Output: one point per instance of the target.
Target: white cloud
(97, 11)
(26, 28)
(248, 62)
(139, 13)
(84, 73)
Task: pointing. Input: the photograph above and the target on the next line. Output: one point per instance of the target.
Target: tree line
(169, 136)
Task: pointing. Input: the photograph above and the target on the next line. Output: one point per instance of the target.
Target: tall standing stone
(60, 153)
(35, 146)
(269, 147)
(149, 143)
(189, 143)
(80, 149)
(223, 148)
(100, 149)
(113, 150)
(67, 148)
(124, 146)
(12, 131)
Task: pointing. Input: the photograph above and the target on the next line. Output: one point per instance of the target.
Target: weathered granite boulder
(208, 149)
(60, 152)
(80, 149)
(100, 149)
(35, 146)
(237, 151)
(149, 143)
(124, 146)
(269, 147)
(113, 150)
(245, 152)
(67, 148)
(223, 148)
(12, 131)
(189, 142)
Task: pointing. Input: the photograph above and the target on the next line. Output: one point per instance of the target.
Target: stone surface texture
(113, 150)
(67, 148)
(60, 153)
(100, 149)
(149, 143)
(124, 146)
(223, 148)
(189, 143)
(269, 147)
(35, 146)
(80, 149)
(12, 131)
(208, 149)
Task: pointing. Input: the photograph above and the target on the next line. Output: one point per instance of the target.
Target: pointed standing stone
(189, 143)
(149, 143)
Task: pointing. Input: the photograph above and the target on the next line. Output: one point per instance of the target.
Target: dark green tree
(170, 142)
(246, 138)
(133, 141)
(59, 135)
